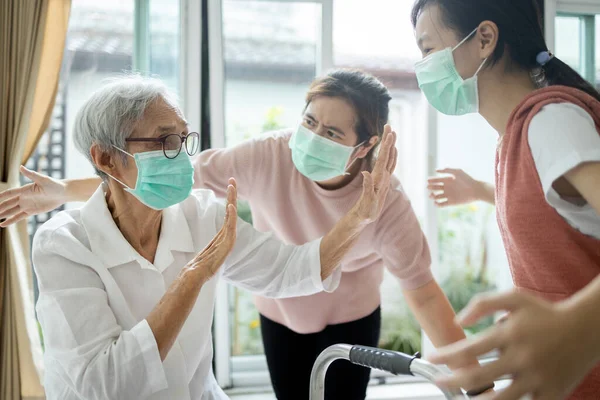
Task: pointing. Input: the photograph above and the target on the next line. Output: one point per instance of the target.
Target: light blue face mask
(318, 158)
(443, 86)
(161, 181)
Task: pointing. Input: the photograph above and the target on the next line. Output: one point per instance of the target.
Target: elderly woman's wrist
(194, 277)
(357, 219)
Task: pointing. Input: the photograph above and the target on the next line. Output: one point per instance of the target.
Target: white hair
(109, 116)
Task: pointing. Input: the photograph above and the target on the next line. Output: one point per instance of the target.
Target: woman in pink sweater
(490, 57)
(299, 183)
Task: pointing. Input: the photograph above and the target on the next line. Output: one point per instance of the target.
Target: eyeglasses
(172, 143)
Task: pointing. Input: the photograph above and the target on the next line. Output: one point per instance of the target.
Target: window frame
(586, 11)
(234, 371)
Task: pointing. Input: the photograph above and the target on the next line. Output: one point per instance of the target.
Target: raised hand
(543, 346)
(456, 189)
(376, 184)
(42, 195)
(209, 260)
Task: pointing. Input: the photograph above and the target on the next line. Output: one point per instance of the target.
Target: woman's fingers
(517, 390)
(384, 152)
(232, 192)
(230, 219)
(14, 219)
(440, 180)
(439, 196)
(462, 353)
(368, 184)
(222, 233)
(32, 175)
(11, 212)
(392, 161)
(477, 377)
(392, 155)
(233, 182)
(10, 194)
(215, 253)
(484, 305)
(451, 171)
(7, 205)
(227, 240)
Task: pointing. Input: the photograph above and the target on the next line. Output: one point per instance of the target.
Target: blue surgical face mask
(161, 181)
(443, 86)
(318, 158)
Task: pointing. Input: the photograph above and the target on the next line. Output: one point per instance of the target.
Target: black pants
(291, 356)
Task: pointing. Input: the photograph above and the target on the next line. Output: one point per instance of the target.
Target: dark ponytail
(520, 33)
(559, 73)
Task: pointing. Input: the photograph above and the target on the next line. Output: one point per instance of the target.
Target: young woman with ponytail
(490, 57)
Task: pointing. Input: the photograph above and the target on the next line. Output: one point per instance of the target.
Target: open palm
(42, 195)
(376, 184)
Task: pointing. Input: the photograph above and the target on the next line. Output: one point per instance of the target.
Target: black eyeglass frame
(163, 140)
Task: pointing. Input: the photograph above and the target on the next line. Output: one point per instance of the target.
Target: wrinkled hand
(457, 189)
(541, 346)
(42, 195)
(209, 260)
(376, 184)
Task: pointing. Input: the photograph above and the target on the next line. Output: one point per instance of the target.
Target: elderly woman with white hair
(127, 282)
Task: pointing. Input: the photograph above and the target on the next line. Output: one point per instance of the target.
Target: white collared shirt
(96, 291)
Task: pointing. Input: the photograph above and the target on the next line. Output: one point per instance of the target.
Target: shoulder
(61, 253)
(557, 118)
(271, 151)
(560, 137)
(266, 150)
(59, 232)
(560, 111)
(562, 128)
(274, 140)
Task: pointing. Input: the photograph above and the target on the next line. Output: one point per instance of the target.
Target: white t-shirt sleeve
(561, 137)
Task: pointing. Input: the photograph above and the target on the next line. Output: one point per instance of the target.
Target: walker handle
(385, 360)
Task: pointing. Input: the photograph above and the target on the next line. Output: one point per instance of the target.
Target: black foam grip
(385, 360)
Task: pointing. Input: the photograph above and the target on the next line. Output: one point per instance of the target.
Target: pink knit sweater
(297, 210)
(546, 255)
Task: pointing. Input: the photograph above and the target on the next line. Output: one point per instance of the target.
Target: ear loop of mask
(130, 155)
(463, 41)
(346, 173)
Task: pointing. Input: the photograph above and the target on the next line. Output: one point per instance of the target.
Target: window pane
(471, 254)
(99, 46)
(598, 51)
(164, 41)
(390, 55)
(270, 59)
(568, 40)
